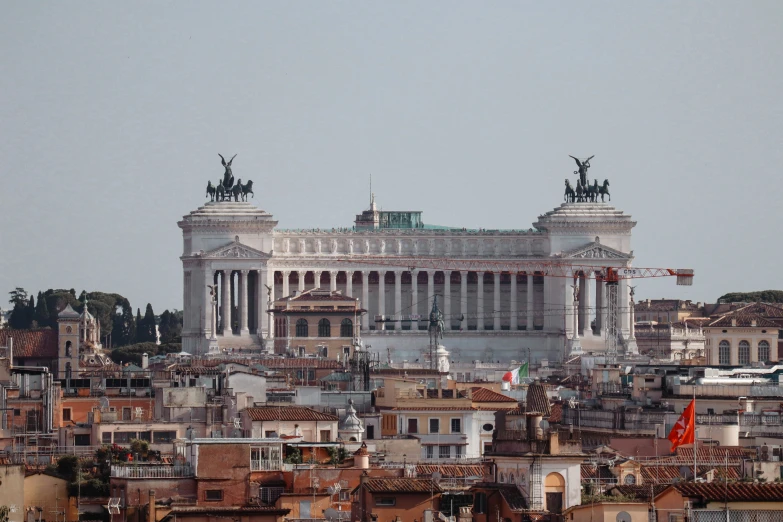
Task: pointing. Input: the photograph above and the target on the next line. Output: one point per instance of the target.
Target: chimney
(151, 511)
(465, 514)
(145, 361)
(733, 322)
(11, 352)
(753, 322)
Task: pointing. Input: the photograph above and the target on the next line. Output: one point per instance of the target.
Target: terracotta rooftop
(434, 408)
(597, 473)
(362, 451)
(537, 401)
(289, 413)
(401, 485)
(487, 395)
(661, 474)
(665, 305)
(731, 492)
(275, 364)
(39, 343)
(451, 470)
(556, 413)
(742, 320)
(639, 491)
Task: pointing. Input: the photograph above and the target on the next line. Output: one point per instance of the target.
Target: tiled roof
(487, 395)
(731, 492)
(513, 497)
(362, 451)
(289, 413)
(434, 408)
(556, 415)
(315, 294)
(665, 305)
(715, 455)
(38, 343)
(639, 491)
(661, 474)
(537, 401)
(401, 485)
(742, 320)
(275, 364)
(730, 472)
(597, 473)
(451, 470)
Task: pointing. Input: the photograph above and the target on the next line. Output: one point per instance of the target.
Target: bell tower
(67, 343)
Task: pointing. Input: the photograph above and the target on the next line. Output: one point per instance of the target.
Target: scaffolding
(536, 494)
(612, 328)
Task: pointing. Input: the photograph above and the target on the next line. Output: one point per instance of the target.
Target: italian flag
(516, 374)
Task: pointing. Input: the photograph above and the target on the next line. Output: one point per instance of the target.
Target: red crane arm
(546, 268)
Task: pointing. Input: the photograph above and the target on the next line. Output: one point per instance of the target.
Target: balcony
(266, 465)
(151, 471)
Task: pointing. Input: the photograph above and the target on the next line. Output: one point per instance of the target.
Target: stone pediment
(235, 250)
(595, 251)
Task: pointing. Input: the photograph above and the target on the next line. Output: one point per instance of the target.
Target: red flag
(684, 430)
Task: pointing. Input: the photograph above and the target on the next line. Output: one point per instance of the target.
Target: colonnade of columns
(465, 305)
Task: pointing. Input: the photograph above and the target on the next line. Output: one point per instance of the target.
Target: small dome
(351, 422)
(68, 313)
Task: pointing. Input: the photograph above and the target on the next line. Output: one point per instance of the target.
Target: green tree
(765, 296)
(145, 329)
(67, 467)
(20, 318)
(124, 325)
(41, 311)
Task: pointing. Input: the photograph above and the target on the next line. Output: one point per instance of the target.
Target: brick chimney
(151, 511)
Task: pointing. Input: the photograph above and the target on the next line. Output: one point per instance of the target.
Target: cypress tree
(30, 312)
(148, 328)
(42, 311)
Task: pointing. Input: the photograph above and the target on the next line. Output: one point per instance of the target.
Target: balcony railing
(151, 471)
(265, 465)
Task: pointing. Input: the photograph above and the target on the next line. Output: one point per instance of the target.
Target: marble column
(365, 299)
(301, 276)
(447, 299)
(317, 278)
(397, 298)
(261, 307)
(414, 295)
(286, 280)
(382, 297)
(496, 304)
(332, 280)
(480, 301)
(513, 305)
(530, 311)
(584, 303)
(225, 307)
(210, 314)
(243, 301)
(349, 283)
(430, 290)
(463, 300)
(265, 302)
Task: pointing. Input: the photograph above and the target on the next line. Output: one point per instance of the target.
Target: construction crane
(544, 268)
(611, 276)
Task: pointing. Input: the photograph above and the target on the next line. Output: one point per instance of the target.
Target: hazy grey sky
(112, 115)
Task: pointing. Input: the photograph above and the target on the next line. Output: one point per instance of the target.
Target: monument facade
(235, 249)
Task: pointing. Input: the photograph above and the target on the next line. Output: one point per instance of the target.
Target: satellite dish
(623, 516)
(104, 402)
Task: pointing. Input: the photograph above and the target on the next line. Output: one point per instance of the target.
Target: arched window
(511, 479)
(724, 353)
(68, 349)
(502, 478)
(324, 328)
(763, 351)
(301, 328)
(346, 328)
(743, 356)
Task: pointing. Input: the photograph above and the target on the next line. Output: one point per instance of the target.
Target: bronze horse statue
(604, 190)
(220, 192)
(236, 190)
(210, 190)
(247, 188)
(570, 195)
